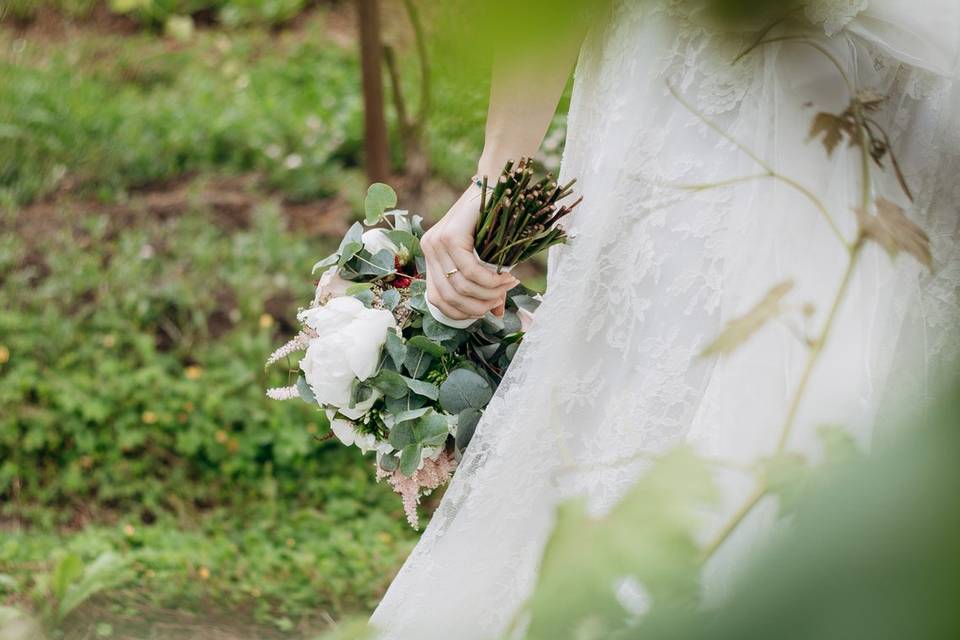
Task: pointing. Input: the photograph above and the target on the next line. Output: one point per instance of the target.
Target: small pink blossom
(432, 474)
(298, 343)
(283, 393)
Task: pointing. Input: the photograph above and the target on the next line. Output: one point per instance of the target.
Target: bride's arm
(523, 98)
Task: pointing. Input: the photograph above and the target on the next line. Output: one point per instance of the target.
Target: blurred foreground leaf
(647, 536)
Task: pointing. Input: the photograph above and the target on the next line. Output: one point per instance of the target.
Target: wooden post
(375, 143)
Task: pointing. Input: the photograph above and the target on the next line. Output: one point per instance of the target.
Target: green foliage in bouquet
(418, 400)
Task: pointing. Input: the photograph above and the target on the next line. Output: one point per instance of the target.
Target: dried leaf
(895, 232)
(740, 329)
(831, 127)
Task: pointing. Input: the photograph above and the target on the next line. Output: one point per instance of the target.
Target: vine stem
(817, 348)
(734, 522)
(769, 171)
(855, 250)
(816, 45)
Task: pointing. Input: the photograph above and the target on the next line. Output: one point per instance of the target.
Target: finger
(471, 307)
(468, 288)
(472, 270)
(499, 310)
(448, 310)
(445, 293)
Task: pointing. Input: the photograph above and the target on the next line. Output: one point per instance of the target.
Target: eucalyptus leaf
(511, 322)
(425, 344)
(488, 351)
(417, 362)
(418, 303)
(422, 387)
(464, 389)
(525, 302)
(306, 393)
(466, 426)
(401, 435)
(389, 462)
(492, 323)
(378, 264)
(327, 262)
(380, 197)
(396, 349)
(354, 235)
(410, 459)
(406, 240)
(409, 402)
(431, 430)
(411, 414)
(359, 287)
(365, 296)
(418, 287)
(390, 299)
(436, 330)
(351, 244)
(391, 383)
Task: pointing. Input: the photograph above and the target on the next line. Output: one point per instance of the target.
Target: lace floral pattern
(609, 375)
(834, 15)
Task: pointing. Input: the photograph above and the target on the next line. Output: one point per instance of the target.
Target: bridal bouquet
(387, 375)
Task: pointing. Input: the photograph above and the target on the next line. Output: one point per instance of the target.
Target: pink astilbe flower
(431, 475)
(283, 393)
(298, 343)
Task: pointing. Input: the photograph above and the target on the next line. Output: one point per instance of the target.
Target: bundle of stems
(518, 216)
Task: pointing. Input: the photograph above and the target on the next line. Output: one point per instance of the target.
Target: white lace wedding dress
(611, 367)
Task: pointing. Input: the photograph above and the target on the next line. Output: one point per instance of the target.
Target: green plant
(56, 594)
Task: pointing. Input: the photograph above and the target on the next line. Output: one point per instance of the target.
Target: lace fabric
(611, 367)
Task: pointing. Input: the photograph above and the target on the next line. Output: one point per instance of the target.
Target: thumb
(498, 310)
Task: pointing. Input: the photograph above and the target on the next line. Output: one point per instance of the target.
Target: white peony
(375, 240)
(348, 435)
(349, 341)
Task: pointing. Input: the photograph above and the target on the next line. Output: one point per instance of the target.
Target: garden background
(169, 171)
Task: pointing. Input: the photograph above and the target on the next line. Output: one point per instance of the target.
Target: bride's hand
(471, 289)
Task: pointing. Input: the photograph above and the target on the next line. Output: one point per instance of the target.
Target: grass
(161, 204)
(109, 113)
(279, 569)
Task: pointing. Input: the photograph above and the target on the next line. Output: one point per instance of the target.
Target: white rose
(349, 341)
(375, 240)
